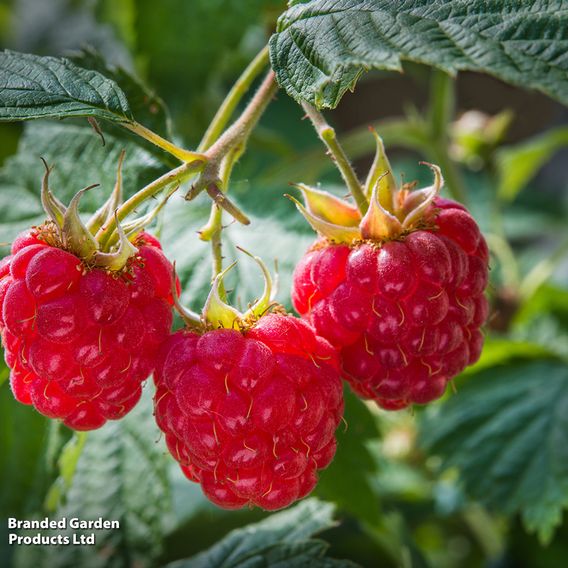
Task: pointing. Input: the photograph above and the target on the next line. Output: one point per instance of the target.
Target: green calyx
(393, 211)
(218, 314)
(66, 229)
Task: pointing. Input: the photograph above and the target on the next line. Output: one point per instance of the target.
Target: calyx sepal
(76, 236)
(330, 230)
(117, 258)
(393, 211)
(218, 313)
(65, 229)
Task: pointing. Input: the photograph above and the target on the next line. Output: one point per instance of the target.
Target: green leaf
(49, 87)
(149, 109)
(322, 47)
(120, 475)
(518, 164)
(348, 480)
(281, 540)
(507, 433)
(79, 159)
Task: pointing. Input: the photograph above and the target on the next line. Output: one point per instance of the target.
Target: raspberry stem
(225, 151)
(177, 175)
(328, 137)
(214, 227)
(441, 111)
(238, 90)
(235, 136)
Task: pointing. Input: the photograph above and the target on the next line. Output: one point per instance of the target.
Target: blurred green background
(479, 479)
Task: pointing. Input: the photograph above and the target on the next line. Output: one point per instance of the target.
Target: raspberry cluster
(250, 415)
(404, 314)
(80, 340)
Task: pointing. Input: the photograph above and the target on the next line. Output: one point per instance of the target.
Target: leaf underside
(322, 46)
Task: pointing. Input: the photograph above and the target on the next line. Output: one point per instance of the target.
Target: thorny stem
(223, 151)
(170, 147)
(214, 227)
(327, 135)
(235, 136)
(233, 98)
(212, 231)
(177, 175)
(442, 106)
(210, 162)
(198, 160)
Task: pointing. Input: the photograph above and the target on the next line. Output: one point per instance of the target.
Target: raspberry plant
(407, 287)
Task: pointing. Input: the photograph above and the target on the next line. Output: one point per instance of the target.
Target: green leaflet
(149, 108)
(507, 433)
(282, 540)
(50, 87)
(322, 46)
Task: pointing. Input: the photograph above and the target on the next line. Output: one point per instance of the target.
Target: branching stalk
(177, 175)
(235, 137)
(328, 137)
(213, 229)
(235, 95)
(221, 200)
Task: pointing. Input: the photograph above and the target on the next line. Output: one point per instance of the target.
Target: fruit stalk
(235, 136)
(214, 227)
(212, 230)
(237, 92)
(177, 175)
(328, 137)
(442, 106)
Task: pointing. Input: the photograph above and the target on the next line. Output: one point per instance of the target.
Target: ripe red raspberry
(404, 314)
(250, 415)
(80, 340)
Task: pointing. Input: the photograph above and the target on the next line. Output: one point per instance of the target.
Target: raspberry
(404, 314)
(250, 415)
(81, 340)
